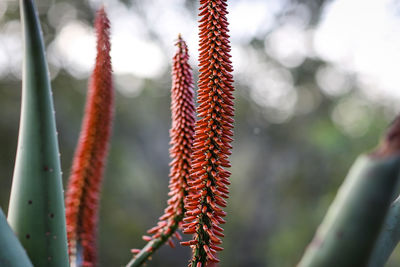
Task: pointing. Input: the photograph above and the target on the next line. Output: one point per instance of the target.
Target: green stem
(347, 235)
(199, 255)
(148, 250)
(196, 256)
(12, 254)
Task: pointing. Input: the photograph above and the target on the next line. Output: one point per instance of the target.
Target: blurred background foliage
(315, 86)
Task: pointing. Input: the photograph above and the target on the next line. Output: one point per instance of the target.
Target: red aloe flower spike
(213, 131)
(82, 199)
(181, 133)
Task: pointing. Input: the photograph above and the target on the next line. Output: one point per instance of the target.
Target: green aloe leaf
(12, 254)
(36, 210)
(347, 235)
(388, 238)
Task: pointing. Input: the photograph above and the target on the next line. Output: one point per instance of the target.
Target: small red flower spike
(213, 134)
(82, 198)
(181, 133)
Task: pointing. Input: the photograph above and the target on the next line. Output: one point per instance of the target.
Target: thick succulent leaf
(347, 235)
(12, 254)
(36, 211)
(389, 236)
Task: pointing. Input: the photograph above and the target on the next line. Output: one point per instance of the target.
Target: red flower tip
(135, 251)
(208, 183)
(82, 198)
(146, 238)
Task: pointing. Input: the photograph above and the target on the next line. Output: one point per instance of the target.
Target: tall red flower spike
(82, 199)
(181, 133)
(213, 135)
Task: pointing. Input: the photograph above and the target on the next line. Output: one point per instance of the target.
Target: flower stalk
(209, 180)
(181, 134)
(82, 199)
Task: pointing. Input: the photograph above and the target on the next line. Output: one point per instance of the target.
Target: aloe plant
(350, 235)
(36, 209)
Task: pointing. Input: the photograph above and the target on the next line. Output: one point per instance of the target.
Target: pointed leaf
(36, 211)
